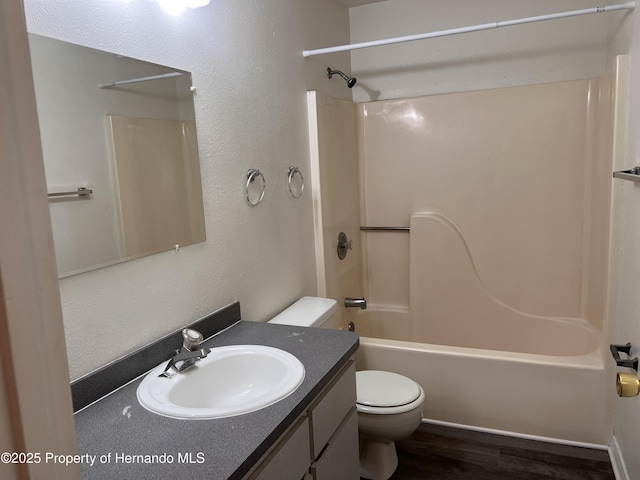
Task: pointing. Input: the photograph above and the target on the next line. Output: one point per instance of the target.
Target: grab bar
(626, 348)
(385, 229)
(80, 192)
(633, 174)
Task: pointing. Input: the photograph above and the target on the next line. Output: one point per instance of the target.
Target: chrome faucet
(355, 302)
(188, 355)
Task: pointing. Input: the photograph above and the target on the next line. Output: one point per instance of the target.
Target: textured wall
(251, 80)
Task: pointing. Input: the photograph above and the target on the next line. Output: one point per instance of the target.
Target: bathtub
(556, 390)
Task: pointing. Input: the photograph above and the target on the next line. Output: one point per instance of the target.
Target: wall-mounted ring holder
(256, 194)
(295, 181)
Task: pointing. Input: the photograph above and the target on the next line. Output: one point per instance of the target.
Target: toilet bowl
(389, 409)
(389, 405)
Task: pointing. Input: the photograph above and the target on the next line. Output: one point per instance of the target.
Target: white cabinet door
(290, 459)
(329, 411)
(341, 459)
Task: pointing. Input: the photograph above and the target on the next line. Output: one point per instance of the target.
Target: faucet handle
(192, 339)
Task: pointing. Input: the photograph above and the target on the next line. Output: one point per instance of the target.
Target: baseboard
(617, 462)
(558, 441)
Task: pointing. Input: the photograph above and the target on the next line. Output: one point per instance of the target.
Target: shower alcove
(496, 299)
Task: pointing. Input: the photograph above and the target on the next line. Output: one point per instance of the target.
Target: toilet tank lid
(307, 312)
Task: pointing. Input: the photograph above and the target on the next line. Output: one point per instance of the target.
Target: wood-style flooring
(442, 453)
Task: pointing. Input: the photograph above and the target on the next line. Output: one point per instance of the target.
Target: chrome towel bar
(633, 174)
(385, 229)
(80, 192)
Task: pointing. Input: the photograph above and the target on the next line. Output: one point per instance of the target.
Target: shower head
(351, 81)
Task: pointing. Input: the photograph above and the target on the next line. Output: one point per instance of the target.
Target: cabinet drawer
(327, 413)
(289, 460)
(341, 461)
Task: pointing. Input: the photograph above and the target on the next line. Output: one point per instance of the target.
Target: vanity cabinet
(323, 443)
(334, 429)
(289, 460)
(340, 460)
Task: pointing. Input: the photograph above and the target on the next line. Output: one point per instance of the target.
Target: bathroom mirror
(124, 130)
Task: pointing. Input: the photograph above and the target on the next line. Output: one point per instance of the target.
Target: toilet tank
(310, 312)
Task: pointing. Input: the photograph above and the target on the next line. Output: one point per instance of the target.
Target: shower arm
(351, 81)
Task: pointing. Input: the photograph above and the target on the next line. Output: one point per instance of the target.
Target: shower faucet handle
(348, 245)
(343, 245)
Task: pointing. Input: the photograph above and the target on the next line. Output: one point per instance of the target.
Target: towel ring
(252, 174)
(292, 171)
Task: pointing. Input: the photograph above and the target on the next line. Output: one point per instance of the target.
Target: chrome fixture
(355, 302)
(351, 81)
(385, 229)
(294, 189)
(343, 245)
(80, 192)
(252, 175)
(188, 355)
(632, 174)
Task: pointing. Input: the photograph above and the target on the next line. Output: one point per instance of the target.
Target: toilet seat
(380, 392)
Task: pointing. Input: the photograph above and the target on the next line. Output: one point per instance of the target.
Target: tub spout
(355, 302)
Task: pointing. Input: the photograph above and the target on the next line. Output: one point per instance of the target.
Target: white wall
(251, 79)
(625, 37)
(542, 52)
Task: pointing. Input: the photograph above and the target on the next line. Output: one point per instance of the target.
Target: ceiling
(357, 3)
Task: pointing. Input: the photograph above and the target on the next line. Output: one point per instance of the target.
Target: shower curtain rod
(141, 79)
(473, 28)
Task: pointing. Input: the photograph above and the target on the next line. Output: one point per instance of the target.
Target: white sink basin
(230, 381)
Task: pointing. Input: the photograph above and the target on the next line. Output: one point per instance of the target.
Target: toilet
(389, 405)
(389, 409)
